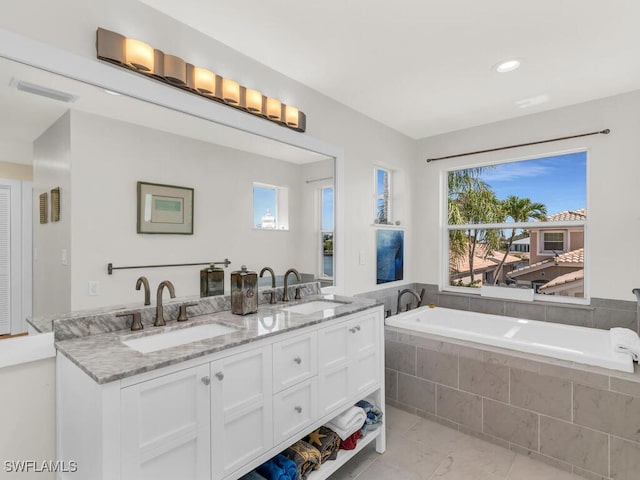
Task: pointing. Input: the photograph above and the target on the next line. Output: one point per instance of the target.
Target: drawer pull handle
(206, 380)
(298, 360)
(358, 327)
(352, 330)
(219, 375)
(298, 409)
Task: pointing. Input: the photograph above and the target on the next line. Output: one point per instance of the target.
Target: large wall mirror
(95, 146)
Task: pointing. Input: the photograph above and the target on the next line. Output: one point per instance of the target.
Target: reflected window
(270, 207)
(326, 232)
(382, 212)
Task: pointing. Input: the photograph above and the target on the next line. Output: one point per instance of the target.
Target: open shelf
(330, 466)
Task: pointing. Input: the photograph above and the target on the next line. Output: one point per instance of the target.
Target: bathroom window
(382, 206)
(518, 225)
(270, 207)
(326, 232)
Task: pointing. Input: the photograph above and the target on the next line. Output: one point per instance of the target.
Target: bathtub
(576, 344)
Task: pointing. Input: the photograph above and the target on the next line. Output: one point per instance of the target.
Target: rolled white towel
(626, 341)
(348, 422)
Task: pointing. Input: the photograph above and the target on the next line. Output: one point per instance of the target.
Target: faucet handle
(136, 323)
(182, 314)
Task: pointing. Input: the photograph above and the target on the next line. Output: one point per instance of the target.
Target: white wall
(613, 176)
(108, 157)
(27, 416)
(52, 168)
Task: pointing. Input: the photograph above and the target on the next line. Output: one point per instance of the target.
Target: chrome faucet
(285, 296)
(147, 292)
(159, 313)
(273, 283)
(408, 290)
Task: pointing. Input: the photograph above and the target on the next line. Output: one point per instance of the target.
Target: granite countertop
(106, 359)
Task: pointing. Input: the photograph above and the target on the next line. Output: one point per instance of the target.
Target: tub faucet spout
(159, 313)
(408, 290)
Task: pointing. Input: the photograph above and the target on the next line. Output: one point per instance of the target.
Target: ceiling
(424, 67)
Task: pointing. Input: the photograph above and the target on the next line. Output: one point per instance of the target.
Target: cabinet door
(241, 409)
(333, 368)
(165, 427)
(364, 336)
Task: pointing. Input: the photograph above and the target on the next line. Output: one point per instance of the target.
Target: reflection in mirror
(95, 146)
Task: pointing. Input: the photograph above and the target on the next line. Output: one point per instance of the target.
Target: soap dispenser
(211, 281)
(244, 291)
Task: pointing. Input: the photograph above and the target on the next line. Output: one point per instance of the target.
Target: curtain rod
(603, 132)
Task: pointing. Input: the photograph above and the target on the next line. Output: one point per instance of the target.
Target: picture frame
(164, 209)
(389, 255)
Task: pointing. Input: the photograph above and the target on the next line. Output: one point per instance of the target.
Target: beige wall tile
(460, 407)
(625, 459)
(580, 446)
(400, 357)
(579, 376)
(606, 411)
(541, 393)
(486, 379)
(438, 367)
(625, 386)
(510, 423)
(417, 392)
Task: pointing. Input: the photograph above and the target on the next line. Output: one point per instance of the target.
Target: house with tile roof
(556, 257)
(485, 265)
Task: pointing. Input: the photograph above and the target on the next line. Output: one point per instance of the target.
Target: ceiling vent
(43, 91)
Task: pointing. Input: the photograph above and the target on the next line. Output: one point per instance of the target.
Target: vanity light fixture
(142, 58)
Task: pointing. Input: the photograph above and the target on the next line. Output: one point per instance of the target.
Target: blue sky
(559, 182)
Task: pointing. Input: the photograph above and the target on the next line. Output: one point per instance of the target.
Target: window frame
(322, 231)
(542, 250)
(566, 226)
(281, 213)
(381, 196)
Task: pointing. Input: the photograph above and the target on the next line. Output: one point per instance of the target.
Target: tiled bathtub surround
(80, 324)
(584, 420)
(601, 313)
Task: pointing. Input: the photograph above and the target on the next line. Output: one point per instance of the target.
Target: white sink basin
(312, 307)
(159, 341)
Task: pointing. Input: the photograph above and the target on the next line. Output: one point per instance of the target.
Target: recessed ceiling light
(507, 66)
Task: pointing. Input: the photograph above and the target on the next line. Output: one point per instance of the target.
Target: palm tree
(519, 210)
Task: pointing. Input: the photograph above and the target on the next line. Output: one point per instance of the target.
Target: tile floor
(419, 449)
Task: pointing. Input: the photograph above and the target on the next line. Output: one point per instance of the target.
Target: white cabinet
(165, 427)
(349, 360)
(219, 416)
(241, 405)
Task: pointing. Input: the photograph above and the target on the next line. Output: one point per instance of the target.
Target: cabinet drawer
(294, 360)
(294, 409)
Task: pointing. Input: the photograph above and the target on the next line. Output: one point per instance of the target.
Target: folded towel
(271, 471)
(305, 456)
(374, 416)
(252, 475)
(326, 441)
(289, 466)
(347, 422)
(351, 442)
(626, 341)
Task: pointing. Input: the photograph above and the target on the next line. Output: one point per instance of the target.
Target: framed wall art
(165, 209)
(389, 255)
